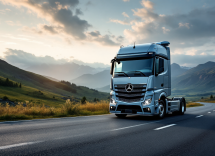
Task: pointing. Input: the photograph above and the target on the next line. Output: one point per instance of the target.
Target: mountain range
(198, 79)
(93, 80)
(65, 71)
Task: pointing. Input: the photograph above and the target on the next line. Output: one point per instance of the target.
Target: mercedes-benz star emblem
(129, 87)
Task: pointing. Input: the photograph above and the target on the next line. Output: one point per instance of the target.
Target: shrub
(83, 100)
(5, 98)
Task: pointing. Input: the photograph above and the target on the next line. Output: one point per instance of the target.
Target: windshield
(134, 68)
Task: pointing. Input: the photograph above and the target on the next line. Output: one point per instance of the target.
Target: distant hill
(199, 79)
(63, 71)
(177, 70)
(44, 84)
(93, 80)
(53, 79)
(104, 89)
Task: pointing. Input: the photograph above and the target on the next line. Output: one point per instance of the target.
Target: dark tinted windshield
(135, 68)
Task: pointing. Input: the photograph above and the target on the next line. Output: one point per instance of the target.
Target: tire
(162, 109)
(182, 107)
(121, 115)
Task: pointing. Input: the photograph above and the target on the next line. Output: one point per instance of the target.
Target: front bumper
(129, 111)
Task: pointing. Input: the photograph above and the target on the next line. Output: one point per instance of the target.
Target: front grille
(129, 107)
(129, 100)
(136, 95)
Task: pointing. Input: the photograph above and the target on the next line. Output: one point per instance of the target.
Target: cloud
(58, 13)
(126, 0)
(89, 3)
(124, 14)
(191, 34)
(11, 23)
(25, 39)
(107, 40)
(49, 29)
(125, 22)
(147, 4)
(193, 29)
(165, 30)
(24, 60)
(95, 33)
(62, 17)
(78, 12)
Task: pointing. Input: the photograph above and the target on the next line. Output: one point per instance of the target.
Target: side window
(161, 65)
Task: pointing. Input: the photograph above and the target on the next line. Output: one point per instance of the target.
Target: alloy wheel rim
(161, 110)
(182, 109)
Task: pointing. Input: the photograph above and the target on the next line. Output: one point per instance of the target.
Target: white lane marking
(133, 126)
(17, 145)
(11, 121)
(165, 127)
(209, 112)
(199, 116)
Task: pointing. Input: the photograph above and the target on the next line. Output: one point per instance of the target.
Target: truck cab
(141, 81)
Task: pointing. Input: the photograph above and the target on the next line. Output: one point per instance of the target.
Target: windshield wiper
(122, 73)
(139, 72)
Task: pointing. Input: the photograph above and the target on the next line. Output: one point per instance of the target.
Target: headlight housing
(147, 101)
(112, 100)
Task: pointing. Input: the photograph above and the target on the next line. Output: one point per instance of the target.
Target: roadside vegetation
(193, 104)
(32, 111)
(210, 99)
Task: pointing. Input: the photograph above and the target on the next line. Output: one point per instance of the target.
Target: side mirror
(156, 67)
(112, 66)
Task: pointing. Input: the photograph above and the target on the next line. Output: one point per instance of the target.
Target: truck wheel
(121, 115)
(161, 109)
(182, 107)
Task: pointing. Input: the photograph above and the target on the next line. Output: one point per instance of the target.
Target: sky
(90, 32)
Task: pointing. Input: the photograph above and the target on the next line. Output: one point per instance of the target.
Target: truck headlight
(147, 101)
(112, 100)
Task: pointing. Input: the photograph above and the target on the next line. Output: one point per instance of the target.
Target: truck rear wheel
(161, 109)
(182, 107)
(121, 115)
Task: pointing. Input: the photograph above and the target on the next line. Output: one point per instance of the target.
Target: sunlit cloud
(63, 18)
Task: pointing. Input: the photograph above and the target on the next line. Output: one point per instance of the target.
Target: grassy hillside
(33, 83)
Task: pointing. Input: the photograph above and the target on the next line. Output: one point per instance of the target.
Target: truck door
(159, 77)
(159, 73)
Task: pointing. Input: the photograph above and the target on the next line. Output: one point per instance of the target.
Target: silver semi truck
(141, 81)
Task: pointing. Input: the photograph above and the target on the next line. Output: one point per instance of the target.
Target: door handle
(162, 85)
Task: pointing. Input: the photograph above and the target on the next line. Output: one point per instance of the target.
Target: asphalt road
(190, 134)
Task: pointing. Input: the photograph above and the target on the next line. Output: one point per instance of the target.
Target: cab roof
(159, 48)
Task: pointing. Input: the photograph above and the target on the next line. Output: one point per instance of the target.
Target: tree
(83, 100)
(96, 100)
(20, 85)
(211, 97)
(202, 98)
